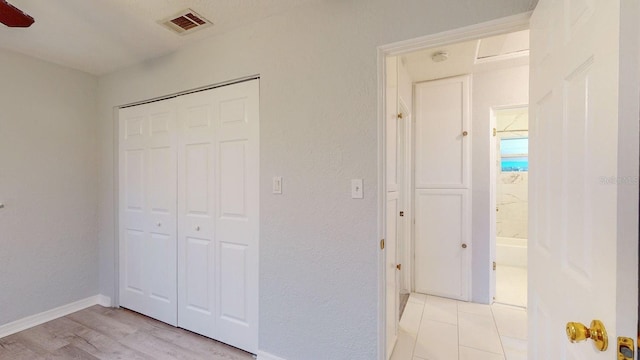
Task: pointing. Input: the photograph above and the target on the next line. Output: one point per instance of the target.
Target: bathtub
(511, 251)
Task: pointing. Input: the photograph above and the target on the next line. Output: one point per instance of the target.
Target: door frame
(486, 29)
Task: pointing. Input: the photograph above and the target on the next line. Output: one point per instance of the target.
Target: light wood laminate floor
(104, 333)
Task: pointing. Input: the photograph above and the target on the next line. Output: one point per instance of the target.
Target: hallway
(434, 328)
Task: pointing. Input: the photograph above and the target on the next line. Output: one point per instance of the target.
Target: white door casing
(442, 188)
(392, 291)
(576, 217)
(147, 214)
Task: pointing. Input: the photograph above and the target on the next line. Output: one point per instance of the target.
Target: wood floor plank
(70, 352)
(99, 333)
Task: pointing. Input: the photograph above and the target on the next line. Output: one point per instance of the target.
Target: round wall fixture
(439, 56)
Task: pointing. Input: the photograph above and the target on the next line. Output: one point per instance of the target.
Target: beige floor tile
(511, 285)
(437, 341)
(479, 332)
(511, 321)
(441, 309)
(475, 354)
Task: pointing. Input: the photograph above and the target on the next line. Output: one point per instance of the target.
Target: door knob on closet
(399, 266)
(465, 133)
(159, 224)
(197, 228)
(464, 246)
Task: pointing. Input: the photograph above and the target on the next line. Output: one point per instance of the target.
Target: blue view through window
(514, 154)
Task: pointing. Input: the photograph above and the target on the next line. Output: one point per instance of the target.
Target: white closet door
(218, 214)
(196, 214)
(147, 178)
(442, 188)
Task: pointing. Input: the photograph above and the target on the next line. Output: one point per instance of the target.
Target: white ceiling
(100, 36)
(469, 57)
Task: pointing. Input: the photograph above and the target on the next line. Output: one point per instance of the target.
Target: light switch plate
(277, 184)
(357, 191)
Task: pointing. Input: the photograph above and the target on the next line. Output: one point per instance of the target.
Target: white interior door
(576, 242)
(147, 173)
(442, 188)
(219, 214)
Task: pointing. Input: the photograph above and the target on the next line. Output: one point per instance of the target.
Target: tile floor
(511, 285)
(434, 328)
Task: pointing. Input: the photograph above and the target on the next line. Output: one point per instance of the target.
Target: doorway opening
(512, 179)
(442, 105)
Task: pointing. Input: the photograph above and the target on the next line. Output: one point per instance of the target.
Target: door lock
(625, 348)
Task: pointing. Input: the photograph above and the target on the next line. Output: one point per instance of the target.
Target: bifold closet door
(218, 204)
(147, 214)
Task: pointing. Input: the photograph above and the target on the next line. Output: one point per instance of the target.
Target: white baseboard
(104, 300)
(266, 356)
(43, 317)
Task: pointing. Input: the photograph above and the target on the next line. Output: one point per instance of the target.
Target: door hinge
(382, 244)
(494, 265)
(401, 213)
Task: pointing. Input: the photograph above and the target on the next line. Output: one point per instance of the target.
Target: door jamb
(472, 32)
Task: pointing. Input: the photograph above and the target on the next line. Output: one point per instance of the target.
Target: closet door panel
(237, 223)
(196, 215)
(148, 210)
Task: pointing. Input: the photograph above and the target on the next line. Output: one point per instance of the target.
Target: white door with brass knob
(583, 237)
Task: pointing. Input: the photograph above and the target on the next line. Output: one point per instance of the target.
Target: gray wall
(48, 183)
(318, 101)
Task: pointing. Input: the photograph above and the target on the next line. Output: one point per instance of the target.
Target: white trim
(104, 301)
(473, 32)
(43, 317)
(266, 356)
(495, 27)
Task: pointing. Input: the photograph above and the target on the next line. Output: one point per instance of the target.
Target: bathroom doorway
(511, 192)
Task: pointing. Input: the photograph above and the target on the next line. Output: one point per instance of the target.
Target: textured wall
(48, 183)
(318, 101)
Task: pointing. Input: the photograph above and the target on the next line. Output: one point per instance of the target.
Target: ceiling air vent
(186, 22)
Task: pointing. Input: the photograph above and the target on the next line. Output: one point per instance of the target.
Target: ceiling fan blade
(13, 17)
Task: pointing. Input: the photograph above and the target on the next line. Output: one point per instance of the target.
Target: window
(514, 154)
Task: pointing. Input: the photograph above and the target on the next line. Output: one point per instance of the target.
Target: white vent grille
(186, 22)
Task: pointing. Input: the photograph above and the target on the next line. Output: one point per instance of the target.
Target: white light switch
(277, 184)
(356, 189)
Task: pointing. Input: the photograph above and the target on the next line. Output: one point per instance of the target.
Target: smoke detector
(185, 22)
(439, 56)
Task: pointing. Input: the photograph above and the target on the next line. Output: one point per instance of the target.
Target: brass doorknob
(465, 133)
(399, 266)
(577, 332)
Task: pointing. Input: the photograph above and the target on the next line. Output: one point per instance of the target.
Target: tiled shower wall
(512, 203)
(511, 187)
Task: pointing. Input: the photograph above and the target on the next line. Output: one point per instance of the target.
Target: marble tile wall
(512, 187)
(512, 204)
